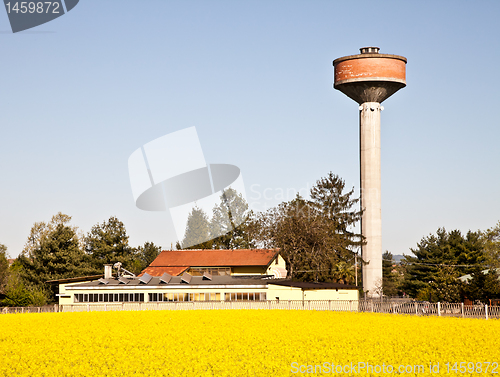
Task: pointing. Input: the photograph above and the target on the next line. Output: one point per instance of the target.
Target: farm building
(200, 275)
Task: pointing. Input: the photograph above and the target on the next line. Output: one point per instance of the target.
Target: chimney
(108, 271)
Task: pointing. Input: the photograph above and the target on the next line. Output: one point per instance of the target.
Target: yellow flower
(243, 343)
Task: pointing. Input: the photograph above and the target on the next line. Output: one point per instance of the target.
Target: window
(214, 296)
(169, 297)
(245, 296)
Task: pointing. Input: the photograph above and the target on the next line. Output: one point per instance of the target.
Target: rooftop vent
(207, 276)
(369, 50)
(103, 281)
(186, 278)
(165, 278)
(145, 279)
(122, 280)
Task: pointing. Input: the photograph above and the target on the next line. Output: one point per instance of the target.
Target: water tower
(370, 78)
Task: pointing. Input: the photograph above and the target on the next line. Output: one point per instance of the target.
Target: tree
(4, 269)
(389, 278)
(315, 236)
(337, 206)
(483, 286)
(231, 222)
(294, 228)
(51, 252)
(197, 234)
(145, 255)
(440, 259)
(444, 286)
(18, 294)
(344, 273)
(491, 239)
(107, 243)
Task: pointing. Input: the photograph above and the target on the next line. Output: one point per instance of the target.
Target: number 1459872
(33, 7)
(470, 367)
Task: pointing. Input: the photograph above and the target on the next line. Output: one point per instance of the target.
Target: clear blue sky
(81, 93)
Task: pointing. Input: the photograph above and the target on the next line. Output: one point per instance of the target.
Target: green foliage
(52, 252)
(294, 228)
(144, 255)
(438, 262)
(231, 224)
(329, 198)
(315, 236)
(390, 275)
(4, 268)
(17, 294)
(197, 234)
(491, 239)
(483, 286)
(343, 272)
(107, 243)
(445, 286)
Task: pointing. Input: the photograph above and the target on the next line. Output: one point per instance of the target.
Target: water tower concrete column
(371, 201)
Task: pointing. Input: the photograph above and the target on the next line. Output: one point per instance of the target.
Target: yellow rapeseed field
(245, 343)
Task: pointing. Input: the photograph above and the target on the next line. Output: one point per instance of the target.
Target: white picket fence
(371, 306)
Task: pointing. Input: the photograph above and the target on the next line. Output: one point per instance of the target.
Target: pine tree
(4, 269)
(338, 208)
(491, 239)
(483, 286)
(107, 243)
(390, 287)
(52, 252)
(440, 259)
(231, 226)
(197, 234)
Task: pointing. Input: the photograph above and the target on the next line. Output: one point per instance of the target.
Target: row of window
(215, 271)
(176, 297)
(251, 296)
(167, 297)
(109, 297)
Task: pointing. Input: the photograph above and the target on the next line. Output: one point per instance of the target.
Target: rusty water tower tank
(370, 76)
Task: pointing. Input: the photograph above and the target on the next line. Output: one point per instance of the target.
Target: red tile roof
(158, 271)
(215, 258)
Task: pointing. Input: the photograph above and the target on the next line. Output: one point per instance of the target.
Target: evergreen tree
(444, 286)
(4, 270)
(441, 259)
(337, 210)
(231, 222)
(144, 256)
(390, 283)
(197, 234)
(107, 243)
(491, 239)
(483, 286)
(52, 252)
